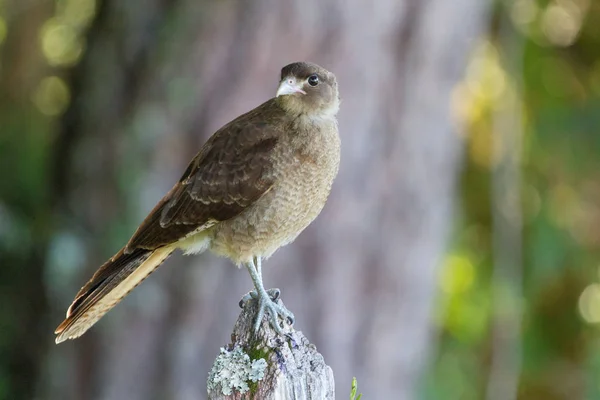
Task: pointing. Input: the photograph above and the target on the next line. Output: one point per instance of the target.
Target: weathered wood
(269, 366)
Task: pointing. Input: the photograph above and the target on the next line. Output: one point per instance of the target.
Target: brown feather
(232, 170)
(253, 187)
(113, 281)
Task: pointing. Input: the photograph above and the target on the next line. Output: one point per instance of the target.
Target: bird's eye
(313, 80)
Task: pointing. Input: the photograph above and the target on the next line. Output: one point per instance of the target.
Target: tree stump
(269, 366)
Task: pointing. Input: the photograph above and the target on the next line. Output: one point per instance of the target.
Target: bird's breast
(305, 164)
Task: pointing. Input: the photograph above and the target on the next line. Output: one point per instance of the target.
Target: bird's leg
(258, 265)
(265, 301)
(273, 293)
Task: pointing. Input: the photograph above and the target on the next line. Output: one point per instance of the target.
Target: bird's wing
(232, 170)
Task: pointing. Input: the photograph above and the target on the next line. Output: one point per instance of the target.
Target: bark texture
(295, 370)
(157, 80)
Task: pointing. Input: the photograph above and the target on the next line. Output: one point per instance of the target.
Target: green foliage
(557, 84)
(354, 390)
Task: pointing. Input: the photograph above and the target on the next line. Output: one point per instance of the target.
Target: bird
(253, 187)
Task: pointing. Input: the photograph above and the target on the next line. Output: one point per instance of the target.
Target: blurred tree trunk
(158, 80)
(25, 213)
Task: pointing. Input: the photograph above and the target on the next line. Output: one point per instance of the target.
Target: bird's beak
(289, 86)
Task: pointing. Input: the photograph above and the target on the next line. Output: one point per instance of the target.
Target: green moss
(253, 387)
(256, 350)
(257, 353)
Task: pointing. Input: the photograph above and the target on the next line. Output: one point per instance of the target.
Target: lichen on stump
(269, 366)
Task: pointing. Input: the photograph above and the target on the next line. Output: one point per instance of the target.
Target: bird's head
(307, 88)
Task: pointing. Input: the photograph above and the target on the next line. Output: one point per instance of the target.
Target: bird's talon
(275, 324)
(274, 311)
(246, 298)
(274, 294)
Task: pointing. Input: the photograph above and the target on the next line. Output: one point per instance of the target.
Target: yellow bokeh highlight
(485, 77)
(485, 89)
(562, 20)
(463, 310)
(464, 106)
(62, 36)
(457, 274)
(484, 82)
(466, 318)
(61, 44)
(524, 12)
(3, 30)
(78, 13)
(52, 96)
(589, 303)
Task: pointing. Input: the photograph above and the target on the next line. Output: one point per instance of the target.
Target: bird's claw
(268, 302)
(274, 310)
(274, 294)
(245, 299)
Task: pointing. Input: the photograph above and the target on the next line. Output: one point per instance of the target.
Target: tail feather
(113, 281)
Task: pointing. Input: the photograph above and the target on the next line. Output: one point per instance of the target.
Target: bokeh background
(458, 255)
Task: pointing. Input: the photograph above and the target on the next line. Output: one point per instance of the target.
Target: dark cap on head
(307, 88)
